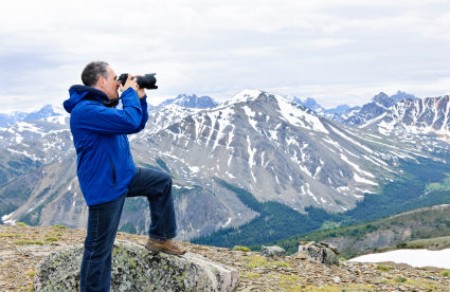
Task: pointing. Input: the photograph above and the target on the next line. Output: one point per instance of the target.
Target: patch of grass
(445, 273)
(280, 264)
(51, 239)
(21, 224)
(438, 186)
(250, 275)
(28, 242)
(383, 268)
(417, 283)
(30, 273)
(27, 288)
(27, 285)
(59, 226)
(290, 283)
(241, 248)
(9, 235)
(338, 288)
(257, 261)
(428, 285)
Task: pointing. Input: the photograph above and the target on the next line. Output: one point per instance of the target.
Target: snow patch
(413, 257)
(299, 117)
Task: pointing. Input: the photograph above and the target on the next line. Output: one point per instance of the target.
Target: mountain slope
(396, 231)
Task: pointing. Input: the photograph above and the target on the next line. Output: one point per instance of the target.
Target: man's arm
(100, 119)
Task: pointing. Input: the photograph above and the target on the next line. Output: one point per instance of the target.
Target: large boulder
(135, 269)
(272, 251)
(319, 252)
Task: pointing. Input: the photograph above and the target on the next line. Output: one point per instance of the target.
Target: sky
(337, 52)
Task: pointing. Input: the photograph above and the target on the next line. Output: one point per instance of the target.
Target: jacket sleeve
(100, 119)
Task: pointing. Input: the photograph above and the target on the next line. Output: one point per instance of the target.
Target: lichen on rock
(135, 269)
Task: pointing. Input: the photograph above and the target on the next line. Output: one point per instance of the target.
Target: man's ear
(101, 81)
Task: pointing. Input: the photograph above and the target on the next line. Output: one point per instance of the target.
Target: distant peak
(191, 101)
(245, 96)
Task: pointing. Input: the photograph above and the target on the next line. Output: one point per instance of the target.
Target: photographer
(107, 173)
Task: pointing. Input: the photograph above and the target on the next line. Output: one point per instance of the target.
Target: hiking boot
(167, 246)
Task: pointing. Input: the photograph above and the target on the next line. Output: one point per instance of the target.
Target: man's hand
(141, 93)
(131, 82)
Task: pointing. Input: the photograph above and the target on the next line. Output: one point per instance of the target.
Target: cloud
(335, 51)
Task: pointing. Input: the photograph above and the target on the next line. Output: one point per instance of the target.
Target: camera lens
(148, 81)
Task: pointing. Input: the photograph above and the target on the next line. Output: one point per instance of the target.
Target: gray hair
(93, 71)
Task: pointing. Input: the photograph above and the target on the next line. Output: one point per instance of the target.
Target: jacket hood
(79, 93)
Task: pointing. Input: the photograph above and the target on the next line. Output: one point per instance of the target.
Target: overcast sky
(337, 52)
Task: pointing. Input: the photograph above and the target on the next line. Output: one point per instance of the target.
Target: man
(107, 173)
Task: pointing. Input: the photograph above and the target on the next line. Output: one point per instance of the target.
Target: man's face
(110, 85)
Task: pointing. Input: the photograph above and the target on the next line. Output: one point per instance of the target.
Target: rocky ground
(22, 247)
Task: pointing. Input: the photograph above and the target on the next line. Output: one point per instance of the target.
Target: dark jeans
(95, 274)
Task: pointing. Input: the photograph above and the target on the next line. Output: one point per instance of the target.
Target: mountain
(46, 111)
(380, 104)
(9, 119)
(261, 141)
(309, 103)
(339, 110)
(191, 101)
(404, 117)
(258, 161)
(331, 114)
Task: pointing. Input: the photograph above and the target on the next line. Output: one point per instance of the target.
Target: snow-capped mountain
(403, 116)
(277, 150)
(340, 109)
(309, 103)
(12, 118)
(191, 101)
(380, 104)
(174, 110)
(263, 143)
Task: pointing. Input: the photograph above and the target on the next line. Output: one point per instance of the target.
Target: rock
(272, 251)
(319, 252)
(135, 269)
(337, 280)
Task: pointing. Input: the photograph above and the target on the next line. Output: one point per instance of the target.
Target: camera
(148, 81)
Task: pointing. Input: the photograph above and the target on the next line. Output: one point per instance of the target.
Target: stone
(135, 269)
(337, 280)
(272, 251)
(319, 252)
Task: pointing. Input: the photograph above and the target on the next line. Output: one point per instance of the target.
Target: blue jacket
(105, 166)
